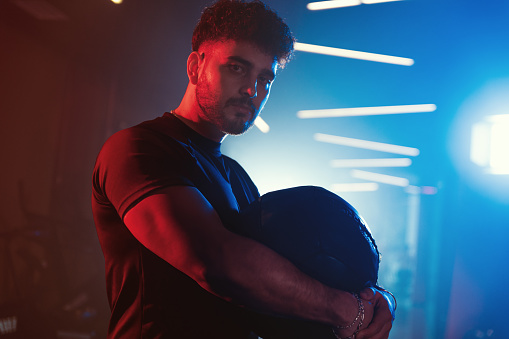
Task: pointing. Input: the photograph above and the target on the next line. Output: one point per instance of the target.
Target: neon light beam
(355, 187)
(387, 162)
(363, 111)
(346, 53)
(319, 5)
(262, 125)
(381, 178)
(365, 144)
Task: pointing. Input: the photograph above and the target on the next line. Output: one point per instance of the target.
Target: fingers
(369, 310)
(390, 299)
(375, 332)
(381, 323)
(368, 293)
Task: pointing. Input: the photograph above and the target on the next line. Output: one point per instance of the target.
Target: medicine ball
(318, 231)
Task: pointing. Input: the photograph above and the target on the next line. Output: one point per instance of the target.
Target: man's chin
(237, 128)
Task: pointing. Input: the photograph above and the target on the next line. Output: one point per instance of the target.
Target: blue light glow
(480, 138)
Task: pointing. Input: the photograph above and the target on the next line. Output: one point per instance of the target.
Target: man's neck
(200, 126)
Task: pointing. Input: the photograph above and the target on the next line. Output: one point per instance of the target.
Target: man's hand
(384, 307)
(362, 320)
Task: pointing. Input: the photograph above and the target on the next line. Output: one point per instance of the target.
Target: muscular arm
(180, 226)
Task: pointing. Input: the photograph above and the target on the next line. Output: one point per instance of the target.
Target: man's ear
(193, 61)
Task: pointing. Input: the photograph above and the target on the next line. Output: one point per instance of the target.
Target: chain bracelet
(359, 304)
(359, 317)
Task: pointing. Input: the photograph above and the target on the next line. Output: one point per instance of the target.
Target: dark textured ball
(318, 231)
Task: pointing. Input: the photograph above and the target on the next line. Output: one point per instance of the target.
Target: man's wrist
(344, 307)
(356, 323)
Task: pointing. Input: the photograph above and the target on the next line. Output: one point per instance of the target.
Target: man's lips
(244, 109)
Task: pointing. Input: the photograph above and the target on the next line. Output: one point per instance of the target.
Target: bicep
(179, 225)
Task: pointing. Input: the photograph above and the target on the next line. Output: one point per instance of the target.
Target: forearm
(253, 275)
(181, 227)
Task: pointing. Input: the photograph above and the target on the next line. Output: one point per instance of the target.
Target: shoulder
(137, 161)
(234, 166)
(146, 149)
(154, 137)
(232, 163)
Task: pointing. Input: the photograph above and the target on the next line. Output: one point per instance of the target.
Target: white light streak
(319, 5)
(262, 125)
(387, 162)
(381, 178)
(355, 187)
(365, 144)
(346, 53)
(116, 1)
(362, 111)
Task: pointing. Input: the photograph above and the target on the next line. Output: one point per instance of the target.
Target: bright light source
(490, 139)
(499, 118)
(371, 145)
(346, 53)
(388, 162)
(315, 6)
(499, 154)
(362, 111)
(262, 125)
(355, 187)
(117, 1)
(381, 178)
(319, 5)
(479, 149)
(484, 108)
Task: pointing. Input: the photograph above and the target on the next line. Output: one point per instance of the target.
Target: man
(164, 197)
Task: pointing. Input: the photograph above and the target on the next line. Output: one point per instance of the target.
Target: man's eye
(236, 68)
(265, 80)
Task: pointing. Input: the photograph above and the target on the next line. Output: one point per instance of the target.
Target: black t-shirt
(148, 297)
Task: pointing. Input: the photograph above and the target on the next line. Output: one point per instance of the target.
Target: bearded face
(224, 116)
(233, 85)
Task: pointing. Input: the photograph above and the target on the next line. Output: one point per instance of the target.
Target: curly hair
(253, 22)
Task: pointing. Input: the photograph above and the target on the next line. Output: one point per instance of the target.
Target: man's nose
(249, 88)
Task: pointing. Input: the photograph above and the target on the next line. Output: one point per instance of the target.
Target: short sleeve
(136, 162)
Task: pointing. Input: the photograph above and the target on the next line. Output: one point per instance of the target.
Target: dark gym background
(72, 72)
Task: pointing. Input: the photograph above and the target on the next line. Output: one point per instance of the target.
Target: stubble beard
(214, 113)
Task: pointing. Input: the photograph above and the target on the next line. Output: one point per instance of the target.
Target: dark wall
(55, 111)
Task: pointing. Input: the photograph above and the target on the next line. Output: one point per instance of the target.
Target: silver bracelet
(359, 317)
